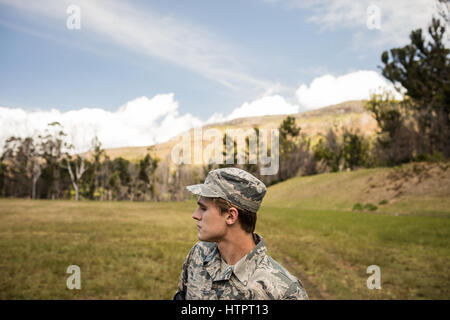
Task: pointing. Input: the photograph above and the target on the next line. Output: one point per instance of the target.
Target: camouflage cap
(233, 184)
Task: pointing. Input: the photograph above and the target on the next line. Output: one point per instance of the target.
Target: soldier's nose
(196, 215)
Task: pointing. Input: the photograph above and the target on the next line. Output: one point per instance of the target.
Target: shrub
(370, 207)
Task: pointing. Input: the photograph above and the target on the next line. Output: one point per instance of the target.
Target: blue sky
(211, 59)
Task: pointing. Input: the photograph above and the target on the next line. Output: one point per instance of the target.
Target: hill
(350, 114)
(414, 188)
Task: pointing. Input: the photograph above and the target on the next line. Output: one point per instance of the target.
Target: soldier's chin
(202, 237)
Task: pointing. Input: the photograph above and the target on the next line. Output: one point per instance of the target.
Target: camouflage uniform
(256, 276)
(205, 274)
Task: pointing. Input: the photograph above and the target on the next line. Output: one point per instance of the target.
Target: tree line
(44, 167)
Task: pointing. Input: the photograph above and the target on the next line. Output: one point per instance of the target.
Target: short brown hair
(246, 218)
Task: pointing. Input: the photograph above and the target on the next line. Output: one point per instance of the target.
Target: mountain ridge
(350, 114)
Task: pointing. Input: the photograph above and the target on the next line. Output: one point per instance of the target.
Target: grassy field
(129, 250)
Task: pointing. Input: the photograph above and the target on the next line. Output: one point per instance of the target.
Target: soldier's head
(229, 199)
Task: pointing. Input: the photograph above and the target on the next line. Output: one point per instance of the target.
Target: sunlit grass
(131, 250)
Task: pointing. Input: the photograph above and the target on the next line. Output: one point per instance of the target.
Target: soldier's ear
(232, 216)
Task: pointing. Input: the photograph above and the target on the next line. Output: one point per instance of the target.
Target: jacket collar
(243, 269)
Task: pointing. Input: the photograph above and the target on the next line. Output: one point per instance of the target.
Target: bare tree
(105, 174)
(24, 162)
(53, 146)
(36, 173)
(98, 154)
(133, 186)
(35, 163)
(79, 142)
(80, 169)
(13, 173)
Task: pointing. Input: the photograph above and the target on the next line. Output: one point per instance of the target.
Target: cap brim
(202, 190)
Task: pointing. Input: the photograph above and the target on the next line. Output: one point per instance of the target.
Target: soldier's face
(211, 223)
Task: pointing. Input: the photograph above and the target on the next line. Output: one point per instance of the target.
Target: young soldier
(230, 261)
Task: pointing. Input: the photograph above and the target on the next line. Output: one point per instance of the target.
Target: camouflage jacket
(256, 276)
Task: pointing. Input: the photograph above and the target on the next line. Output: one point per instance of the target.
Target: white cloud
(216, 117)
(264, 106)
(139, 122)
(143, 30)
(397, 18)
(143, 121)
(328, 90)
(267, 105)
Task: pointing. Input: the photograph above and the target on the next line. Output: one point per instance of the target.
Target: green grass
(125, 250)
(341, 191)
(329, 191)
(332, 251)
(135, 250)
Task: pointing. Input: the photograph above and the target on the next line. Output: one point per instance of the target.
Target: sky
(136, 73)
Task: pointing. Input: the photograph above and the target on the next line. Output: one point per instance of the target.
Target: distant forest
(415, 128)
